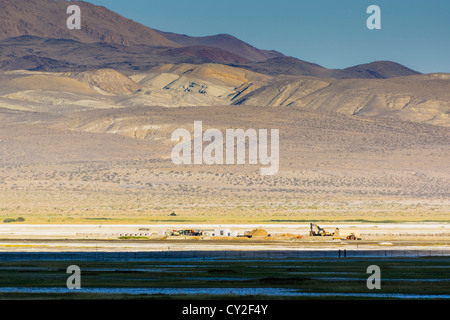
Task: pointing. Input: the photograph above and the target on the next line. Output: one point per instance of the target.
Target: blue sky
(332, 33)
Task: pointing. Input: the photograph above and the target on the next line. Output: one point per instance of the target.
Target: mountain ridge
(47, 18)
(32, 18)
(225, 42)
(107, 72)
(296, 67)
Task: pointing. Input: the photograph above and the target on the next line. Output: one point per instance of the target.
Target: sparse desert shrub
(133, 238)
(20, 219)
(9, 220)
(173, 214)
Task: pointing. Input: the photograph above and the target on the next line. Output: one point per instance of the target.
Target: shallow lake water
(279, 292)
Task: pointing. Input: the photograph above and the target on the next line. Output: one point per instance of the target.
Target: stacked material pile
(257, 233)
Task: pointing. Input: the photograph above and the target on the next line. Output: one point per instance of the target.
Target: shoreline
(92, 238)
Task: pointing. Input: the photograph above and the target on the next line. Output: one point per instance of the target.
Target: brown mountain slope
(192, 85)
(225, 42)
(209, 54)
(108, 40)
(419, 98)
(107, 80)
(47, 18)
(296, 67)
(377, 70)
(44, 54)
(287, 66)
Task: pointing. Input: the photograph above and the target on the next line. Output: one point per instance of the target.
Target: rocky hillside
(225, 42)
(47, 18)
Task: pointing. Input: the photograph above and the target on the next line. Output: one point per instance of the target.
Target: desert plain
(87, 175)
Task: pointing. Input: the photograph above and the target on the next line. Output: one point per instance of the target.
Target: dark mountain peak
(378, 70)
(47, 18)
(225, 42)
(30, 24)
(295, 67)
